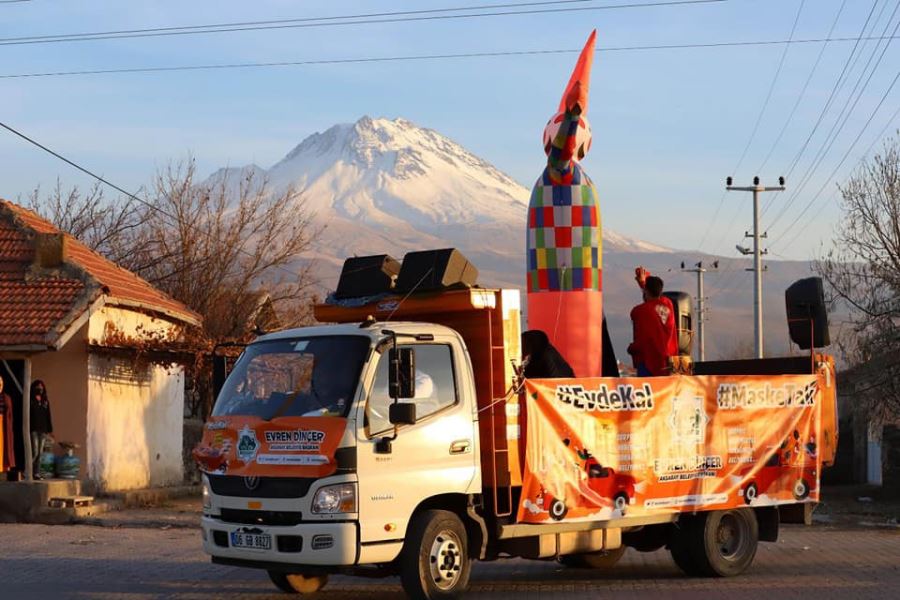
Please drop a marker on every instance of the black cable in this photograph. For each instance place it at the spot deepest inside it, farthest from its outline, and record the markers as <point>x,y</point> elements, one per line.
<point>105,181</point>
<point>759,117</point>
<point>840,122</point>
<point>800,96</point>
<point>765,105</point>
<point>334,61</point>
<point>844,158</point>
<point>331,22</point>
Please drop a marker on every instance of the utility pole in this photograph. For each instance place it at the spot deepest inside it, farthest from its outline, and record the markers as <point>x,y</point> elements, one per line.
<point>699,269</point>
<point>757,252</point>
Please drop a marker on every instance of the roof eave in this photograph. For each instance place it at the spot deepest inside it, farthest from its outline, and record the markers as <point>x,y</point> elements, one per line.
<point>182,317</point>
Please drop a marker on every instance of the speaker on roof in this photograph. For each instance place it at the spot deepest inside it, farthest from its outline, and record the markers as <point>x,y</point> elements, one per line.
<point>807,314</point>
<point>367,276</point>
<point>684,320</point>
<point>431,270</point>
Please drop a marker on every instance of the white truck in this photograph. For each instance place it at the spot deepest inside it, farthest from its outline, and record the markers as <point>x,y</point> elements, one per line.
<point>381,448</point>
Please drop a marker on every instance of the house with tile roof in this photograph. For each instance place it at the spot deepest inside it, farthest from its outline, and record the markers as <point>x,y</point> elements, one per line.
<point>60,306</point>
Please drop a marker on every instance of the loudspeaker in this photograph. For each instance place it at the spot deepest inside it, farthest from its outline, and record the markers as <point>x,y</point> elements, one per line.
<point>684,320</point>
<point>431,270</point>
<point>367,276</point>
<point>806,313</point>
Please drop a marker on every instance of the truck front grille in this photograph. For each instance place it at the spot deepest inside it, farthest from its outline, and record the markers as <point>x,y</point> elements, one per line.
<point>260,487</point>
<point>274,518</point>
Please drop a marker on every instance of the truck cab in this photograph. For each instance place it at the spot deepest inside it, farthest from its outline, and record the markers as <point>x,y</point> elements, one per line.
<point>326,389</point>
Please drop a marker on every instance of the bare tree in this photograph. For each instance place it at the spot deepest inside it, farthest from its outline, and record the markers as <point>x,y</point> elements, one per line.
<point>216,247</point>
<point>227,250</point>
<point>109,228</point>
<point>863,272</point>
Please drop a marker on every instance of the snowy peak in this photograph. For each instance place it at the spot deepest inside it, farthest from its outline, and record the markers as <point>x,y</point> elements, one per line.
<point>389,179</point>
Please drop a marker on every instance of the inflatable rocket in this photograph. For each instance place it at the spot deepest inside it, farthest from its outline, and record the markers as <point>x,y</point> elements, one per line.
<point>564,243</point>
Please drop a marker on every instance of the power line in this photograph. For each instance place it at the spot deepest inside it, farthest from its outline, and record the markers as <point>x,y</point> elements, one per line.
<point>424,57</point>
<point>841,120</point>
<point>765,105</point>
<point>844,158</point>
<point>105,181</point>
<point>759,117</point>
<point>334,21</point>
<point>835,89</point>
<point>800,96</point>
<point>875,140</point>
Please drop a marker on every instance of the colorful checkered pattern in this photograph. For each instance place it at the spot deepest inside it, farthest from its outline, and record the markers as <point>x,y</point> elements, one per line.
<point>564,244</point>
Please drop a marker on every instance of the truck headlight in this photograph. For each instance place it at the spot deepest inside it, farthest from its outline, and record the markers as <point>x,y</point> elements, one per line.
<point>335,499</point>
<point>207,499</point>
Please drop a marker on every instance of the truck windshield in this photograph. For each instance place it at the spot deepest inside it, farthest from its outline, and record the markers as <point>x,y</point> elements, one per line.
<point>300,377</point>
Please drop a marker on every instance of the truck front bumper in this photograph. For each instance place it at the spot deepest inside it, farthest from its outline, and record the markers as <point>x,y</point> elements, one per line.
<point>319,544</point>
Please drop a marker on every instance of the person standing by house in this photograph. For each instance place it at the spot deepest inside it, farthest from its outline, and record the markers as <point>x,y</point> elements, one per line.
<point>7,449</point>
<point>41,423</point>
<point>654,328</point>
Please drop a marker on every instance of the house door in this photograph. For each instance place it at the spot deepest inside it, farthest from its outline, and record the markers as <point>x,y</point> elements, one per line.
<point>13,372</point>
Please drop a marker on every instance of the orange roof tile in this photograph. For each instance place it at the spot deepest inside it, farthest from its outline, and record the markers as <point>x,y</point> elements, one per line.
<point>36,309</point>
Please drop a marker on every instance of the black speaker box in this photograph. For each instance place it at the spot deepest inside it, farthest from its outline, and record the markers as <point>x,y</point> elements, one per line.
<point>684,320</point>
<point>807,314</point>
<point>431,270</point>
<point>367,276</point>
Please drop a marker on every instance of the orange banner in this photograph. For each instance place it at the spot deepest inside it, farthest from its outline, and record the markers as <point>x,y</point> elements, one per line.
<point>608,448</point>
<point>282,447</point>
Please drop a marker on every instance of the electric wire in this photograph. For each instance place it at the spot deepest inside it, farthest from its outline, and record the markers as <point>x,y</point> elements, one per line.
<point>103,180</point>
<point>426,57</point>
<point>800,96</point>
<point>317,22</point>
<point>841,120</point>
<point>878,137</point>
<point>753,132</point>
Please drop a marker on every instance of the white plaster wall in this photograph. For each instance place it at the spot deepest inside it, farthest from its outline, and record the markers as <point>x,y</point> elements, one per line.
<point>125,320</point>
<point>134,417</point>
<point>165,426</point>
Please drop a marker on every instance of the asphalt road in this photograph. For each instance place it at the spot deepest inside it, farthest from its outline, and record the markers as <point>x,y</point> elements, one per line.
<point>91,562</point>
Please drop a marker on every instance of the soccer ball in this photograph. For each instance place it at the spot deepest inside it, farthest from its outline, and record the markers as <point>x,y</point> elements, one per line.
<point>582,135</point>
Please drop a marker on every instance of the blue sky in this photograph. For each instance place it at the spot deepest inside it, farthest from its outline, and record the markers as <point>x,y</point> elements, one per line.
<point>669,125</point>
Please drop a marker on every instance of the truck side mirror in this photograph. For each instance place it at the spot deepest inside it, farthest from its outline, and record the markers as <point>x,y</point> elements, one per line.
<point>402,413</point>
<point>402,373</point>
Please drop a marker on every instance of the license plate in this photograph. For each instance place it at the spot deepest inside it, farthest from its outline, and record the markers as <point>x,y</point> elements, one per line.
<point>251,541</point>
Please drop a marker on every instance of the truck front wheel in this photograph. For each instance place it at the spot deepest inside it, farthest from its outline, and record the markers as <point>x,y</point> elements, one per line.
<point>296,583</point>
<point>719,543</point>
<point>435,561</point>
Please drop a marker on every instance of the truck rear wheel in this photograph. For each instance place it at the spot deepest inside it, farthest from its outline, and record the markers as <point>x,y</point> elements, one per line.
<point>434,563</point>
<point>296,583</point>
<point>719,543</point>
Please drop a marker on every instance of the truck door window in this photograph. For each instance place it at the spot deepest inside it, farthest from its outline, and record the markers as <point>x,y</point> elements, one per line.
<point>435,386</point>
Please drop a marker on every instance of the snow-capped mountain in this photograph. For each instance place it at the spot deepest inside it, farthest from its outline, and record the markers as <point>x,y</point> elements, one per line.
<point>389,186</point>
<point>382,185</point>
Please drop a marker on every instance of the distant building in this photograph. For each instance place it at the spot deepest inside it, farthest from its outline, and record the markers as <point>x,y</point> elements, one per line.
<point>63,309</point>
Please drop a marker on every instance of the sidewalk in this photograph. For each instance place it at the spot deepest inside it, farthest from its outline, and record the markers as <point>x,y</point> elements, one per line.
<point>176,513</point>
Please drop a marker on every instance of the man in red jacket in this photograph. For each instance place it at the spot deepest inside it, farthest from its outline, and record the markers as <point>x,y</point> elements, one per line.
<point>654,329</point>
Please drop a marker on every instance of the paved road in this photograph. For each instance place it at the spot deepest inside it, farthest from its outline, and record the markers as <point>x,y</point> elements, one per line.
<point>88,562</point>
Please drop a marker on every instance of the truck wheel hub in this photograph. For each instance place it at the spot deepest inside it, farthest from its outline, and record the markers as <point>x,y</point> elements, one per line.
<point>445,559</point>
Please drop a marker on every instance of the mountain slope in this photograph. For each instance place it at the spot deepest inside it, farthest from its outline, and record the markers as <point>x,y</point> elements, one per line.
<point>381,185</point>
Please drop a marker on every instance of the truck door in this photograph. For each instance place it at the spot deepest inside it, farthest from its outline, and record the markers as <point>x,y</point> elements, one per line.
<point>437,455</point>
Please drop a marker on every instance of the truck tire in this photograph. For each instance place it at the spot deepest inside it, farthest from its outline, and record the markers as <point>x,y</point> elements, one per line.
<point>296,583</point>
<point>602,560</point>
<point>434,563</point>
<point>719,543</point>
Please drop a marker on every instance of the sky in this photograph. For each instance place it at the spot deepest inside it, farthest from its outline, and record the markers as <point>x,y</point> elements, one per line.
<point>669,124</point>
